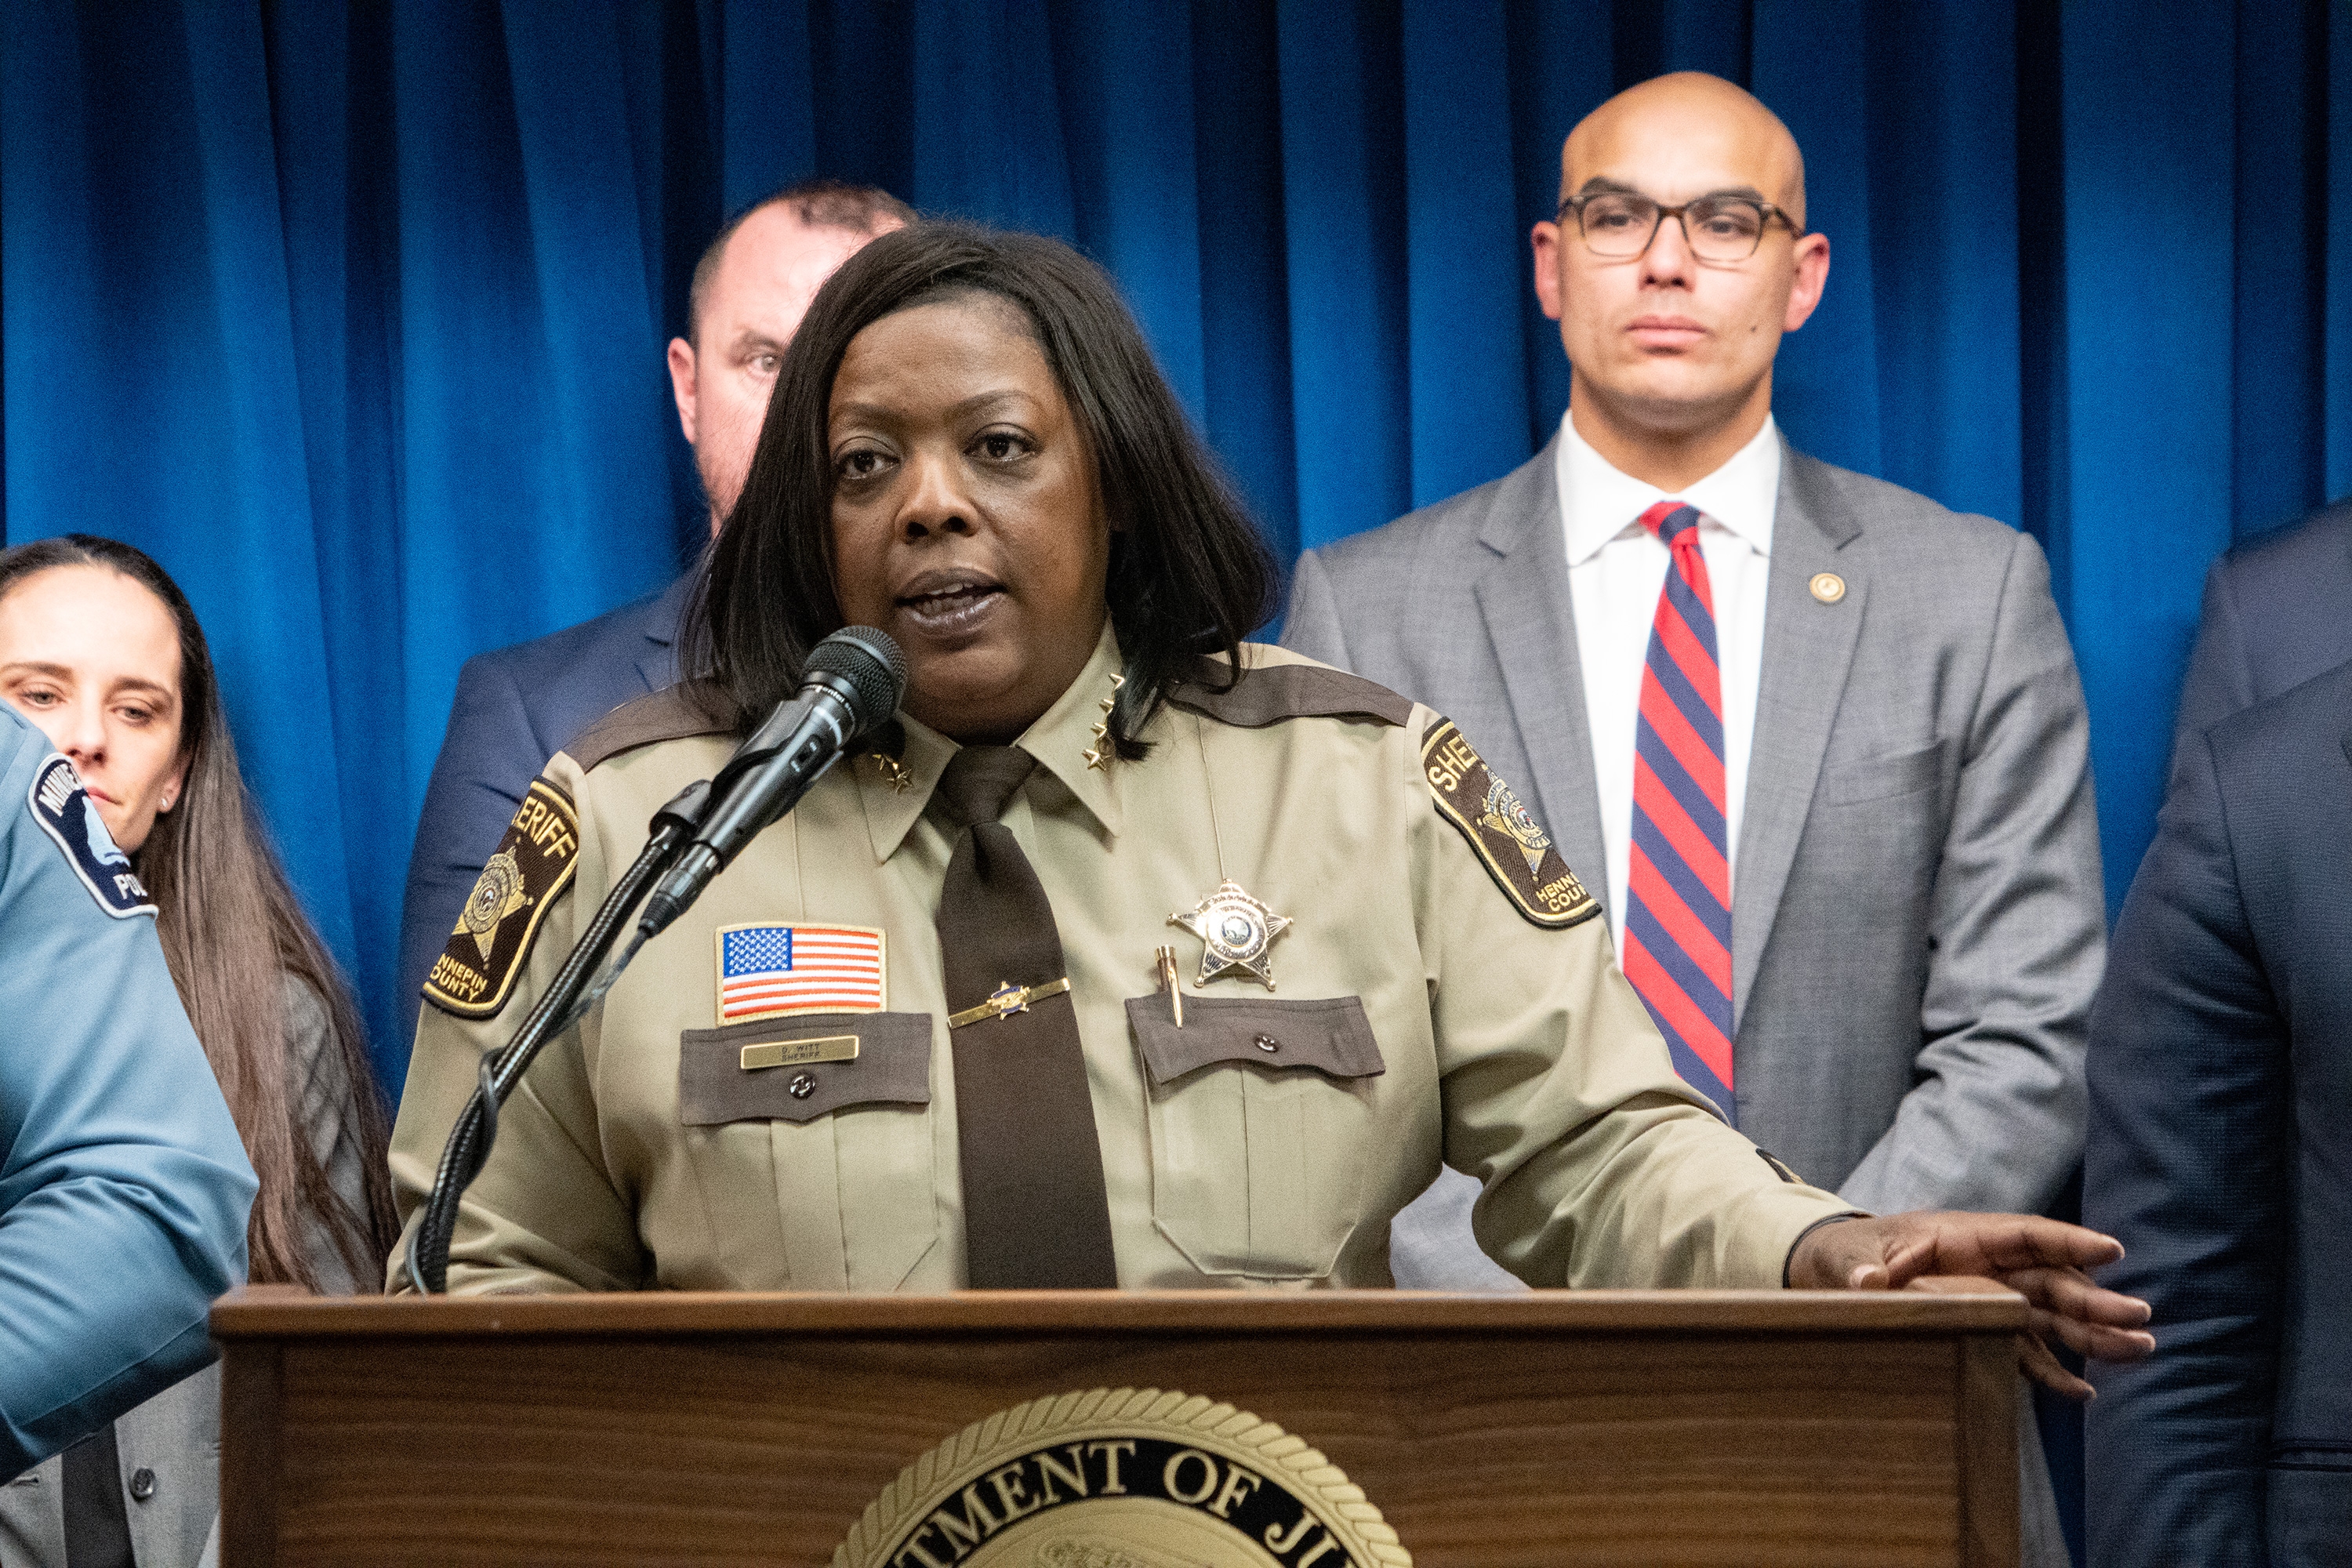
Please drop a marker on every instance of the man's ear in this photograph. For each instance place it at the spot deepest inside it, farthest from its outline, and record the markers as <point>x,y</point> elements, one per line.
<point>1812,275</point>
<point>1546,241</point>
<point>682,383</point>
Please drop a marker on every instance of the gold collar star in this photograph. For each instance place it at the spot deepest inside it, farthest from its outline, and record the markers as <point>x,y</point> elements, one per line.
<point>1235,931</point>
<point>886,748</point>
<point>1099,754</point>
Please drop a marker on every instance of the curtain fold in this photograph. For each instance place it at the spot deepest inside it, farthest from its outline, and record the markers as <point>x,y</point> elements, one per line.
<point>1467,254</point>
<point>2151,251</point>
<point>354,316</point>
<point>1341,146</point>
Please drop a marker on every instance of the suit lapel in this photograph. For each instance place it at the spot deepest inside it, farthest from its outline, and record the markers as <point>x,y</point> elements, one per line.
<point>658,655</point>
<point>1808,650</point>
<point>1523,597</point>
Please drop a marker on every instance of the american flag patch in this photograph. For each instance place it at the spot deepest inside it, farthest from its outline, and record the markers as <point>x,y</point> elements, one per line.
<point>768,970</point>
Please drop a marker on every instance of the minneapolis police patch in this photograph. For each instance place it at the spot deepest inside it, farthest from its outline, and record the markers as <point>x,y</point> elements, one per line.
<point>517,888</point>
<point>1514,848</point>
<point>64,810</point>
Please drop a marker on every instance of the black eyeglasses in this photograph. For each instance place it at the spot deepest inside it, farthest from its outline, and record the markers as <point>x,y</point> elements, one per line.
<point>1619,225</point>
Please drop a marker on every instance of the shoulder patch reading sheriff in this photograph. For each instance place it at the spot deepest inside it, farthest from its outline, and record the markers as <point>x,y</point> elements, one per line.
<point>1513,846</point>
<point>531,869</point>
<point>63,809</point>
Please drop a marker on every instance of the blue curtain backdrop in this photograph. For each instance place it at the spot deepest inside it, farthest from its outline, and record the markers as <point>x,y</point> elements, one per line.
<point>354,317</point>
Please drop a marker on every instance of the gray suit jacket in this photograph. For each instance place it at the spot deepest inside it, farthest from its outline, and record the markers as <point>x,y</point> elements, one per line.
<point>169,1448</point>
<point>1918,918</point>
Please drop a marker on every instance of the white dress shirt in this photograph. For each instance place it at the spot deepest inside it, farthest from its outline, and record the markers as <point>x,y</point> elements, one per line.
<point>1617,568</point>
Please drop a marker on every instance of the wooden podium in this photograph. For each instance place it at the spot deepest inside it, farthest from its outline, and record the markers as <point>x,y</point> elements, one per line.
<point>1548,1428</point>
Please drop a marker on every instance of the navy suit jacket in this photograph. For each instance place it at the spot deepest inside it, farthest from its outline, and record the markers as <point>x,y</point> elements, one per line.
<point>2220,1152</point>
<point>515,707</point>
<point>2278,611</point>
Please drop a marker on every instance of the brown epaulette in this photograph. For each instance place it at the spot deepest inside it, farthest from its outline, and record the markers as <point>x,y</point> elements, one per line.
<point>670,714</point>
<point>1269,693</point>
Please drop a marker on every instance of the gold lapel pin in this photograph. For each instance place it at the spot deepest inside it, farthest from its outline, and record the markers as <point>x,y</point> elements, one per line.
<point>1828,587</point>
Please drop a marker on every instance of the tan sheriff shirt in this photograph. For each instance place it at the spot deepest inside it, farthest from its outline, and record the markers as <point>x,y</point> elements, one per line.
<point>1440,995</point>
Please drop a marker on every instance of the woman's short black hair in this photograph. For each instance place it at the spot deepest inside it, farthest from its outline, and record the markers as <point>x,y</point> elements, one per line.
<point>1189,573</point>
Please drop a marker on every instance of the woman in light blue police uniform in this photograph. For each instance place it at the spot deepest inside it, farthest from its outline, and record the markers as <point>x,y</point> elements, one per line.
<point>123,1187</point>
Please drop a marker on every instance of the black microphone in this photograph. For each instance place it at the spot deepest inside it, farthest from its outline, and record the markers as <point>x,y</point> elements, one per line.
<point>854,682</point>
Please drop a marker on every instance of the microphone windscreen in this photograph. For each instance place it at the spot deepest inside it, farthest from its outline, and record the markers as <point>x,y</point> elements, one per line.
<point>872,665</point>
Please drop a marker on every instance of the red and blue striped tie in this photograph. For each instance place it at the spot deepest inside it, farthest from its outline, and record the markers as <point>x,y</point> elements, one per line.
<point>1678,902</point>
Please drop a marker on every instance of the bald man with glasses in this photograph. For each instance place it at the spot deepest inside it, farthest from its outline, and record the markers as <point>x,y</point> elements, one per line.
<point>1817,742</point>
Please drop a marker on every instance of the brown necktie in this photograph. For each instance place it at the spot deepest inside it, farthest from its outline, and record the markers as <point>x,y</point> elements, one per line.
<point>1035,1213</point>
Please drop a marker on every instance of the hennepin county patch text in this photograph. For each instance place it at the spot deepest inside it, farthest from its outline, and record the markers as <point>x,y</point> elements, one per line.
<point>1511,844</point>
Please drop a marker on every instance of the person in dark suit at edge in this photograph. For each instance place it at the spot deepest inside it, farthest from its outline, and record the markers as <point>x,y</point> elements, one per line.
<point>2220,1078</point>
<point>516,706</point>
<point>2278,611</point>
<point>1817,742</point>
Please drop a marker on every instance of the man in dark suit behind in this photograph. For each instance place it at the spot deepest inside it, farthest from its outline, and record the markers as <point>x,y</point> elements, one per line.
<point>2220,1079</point>
<point>2278,611</point>
<point>2220,1152</point>
<point>516,706</point>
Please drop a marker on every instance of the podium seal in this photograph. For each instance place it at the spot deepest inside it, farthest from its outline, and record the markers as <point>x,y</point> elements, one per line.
<point>1122,1478</point>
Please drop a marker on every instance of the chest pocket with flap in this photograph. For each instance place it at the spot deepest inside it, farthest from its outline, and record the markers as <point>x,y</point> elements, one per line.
<point>811,1139</point>
<point>1261,1119</point>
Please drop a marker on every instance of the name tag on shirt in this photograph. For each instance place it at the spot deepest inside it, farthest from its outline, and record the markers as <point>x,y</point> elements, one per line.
<point>799,1052</point>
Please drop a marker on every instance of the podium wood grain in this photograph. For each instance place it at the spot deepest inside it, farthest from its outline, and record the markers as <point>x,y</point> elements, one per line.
<point>1551,1428</point>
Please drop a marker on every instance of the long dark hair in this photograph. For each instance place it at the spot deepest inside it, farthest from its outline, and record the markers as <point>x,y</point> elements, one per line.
<point>232,933</point>
<point>1187,573</point>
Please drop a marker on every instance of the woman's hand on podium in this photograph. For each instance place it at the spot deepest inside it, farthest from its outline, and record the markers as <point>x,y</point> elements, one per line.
<point>2042,1259</point>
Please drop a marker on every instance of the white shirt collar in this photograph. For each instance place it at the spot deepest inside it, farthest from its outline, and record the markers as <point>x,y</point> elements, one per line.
<point>1599,503</point>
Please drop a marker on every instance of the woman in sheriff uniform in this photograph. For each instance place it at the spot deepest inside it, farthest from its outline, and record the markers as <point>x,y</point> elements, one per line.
<point>1131,954</point>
